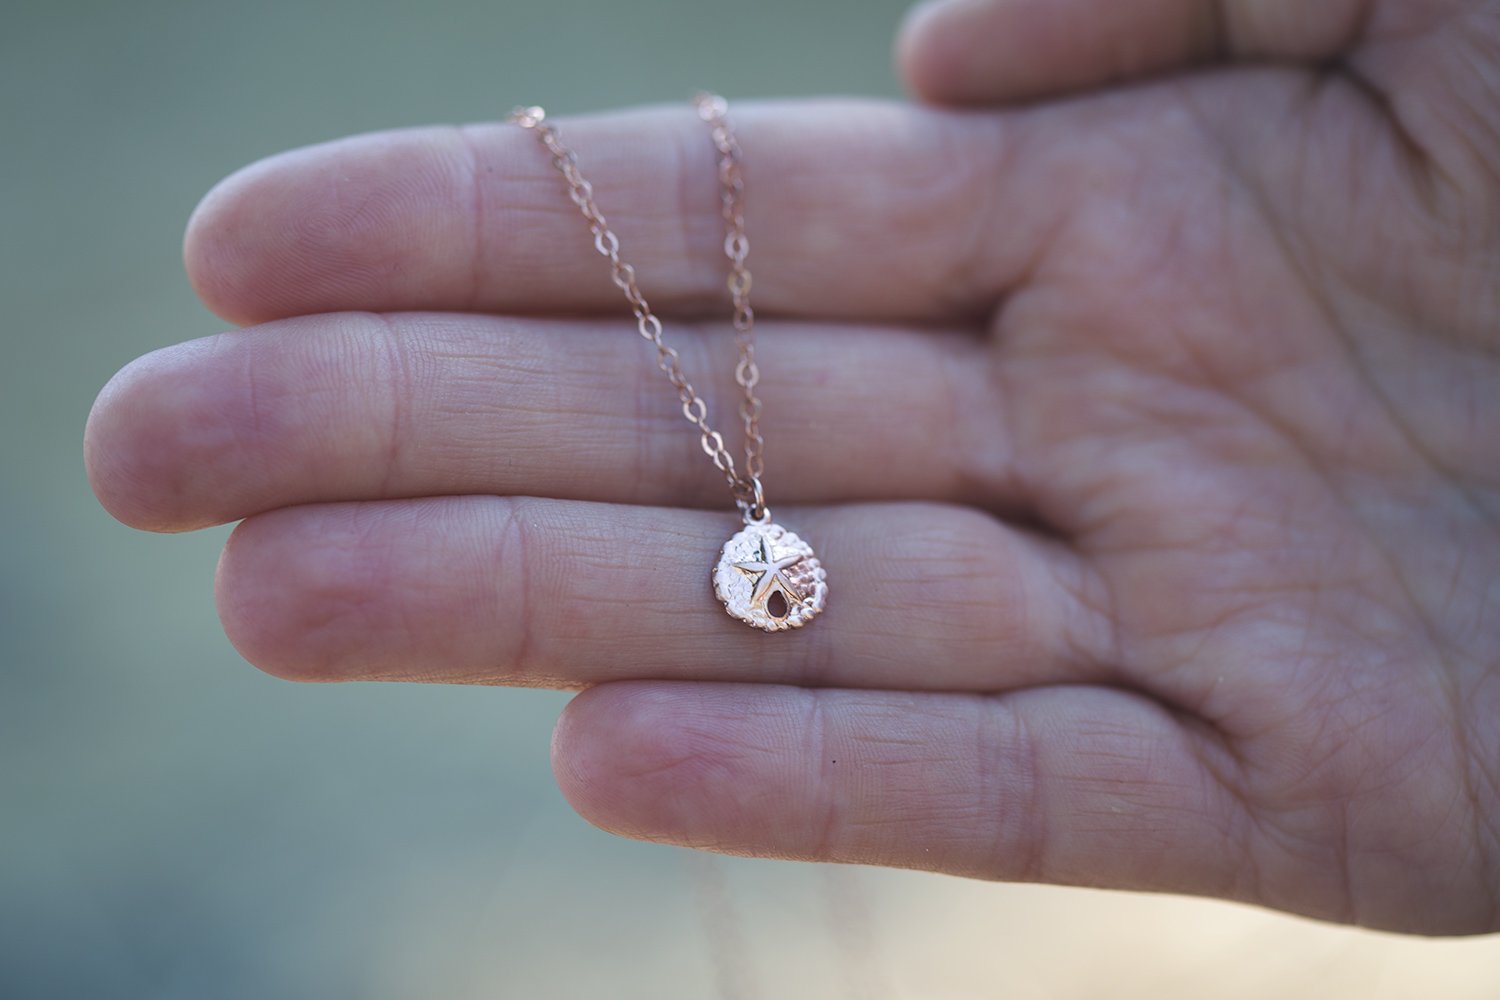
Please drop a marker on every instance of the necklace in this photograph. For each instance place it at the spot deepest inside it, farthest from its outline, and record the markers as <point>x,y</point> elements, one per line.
<point>766,576</point>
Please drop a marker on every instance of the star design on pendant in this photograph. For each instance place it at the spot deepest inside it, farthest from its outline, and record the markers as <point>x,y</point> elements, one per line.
<point>769,575</point>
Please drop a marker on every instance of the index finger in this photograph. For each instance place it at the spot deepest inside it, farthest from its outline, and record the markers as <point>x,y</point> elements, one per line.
<point>854,209</point>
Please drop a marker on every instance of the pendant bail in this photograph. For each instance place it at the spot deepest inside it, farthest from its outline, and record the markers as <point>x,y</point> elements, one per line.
<point>754,508</point>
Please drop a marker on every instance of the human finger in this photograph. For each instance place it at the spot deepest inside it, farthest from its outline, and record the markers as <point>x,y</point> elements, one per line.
<point>1069,784</point>
<point>554,593</point>
<point>991,51</point>
<point>354,406</point>
<point>855,209</point>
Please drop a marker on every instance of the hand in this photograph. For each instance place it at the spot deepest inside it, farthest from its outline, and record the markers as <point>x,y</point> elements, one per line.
<point>1148,436</point>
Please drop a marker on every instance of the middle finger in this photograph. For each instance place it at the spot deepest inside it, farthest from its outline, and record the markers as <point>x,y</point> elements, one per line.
<point>360,406</point>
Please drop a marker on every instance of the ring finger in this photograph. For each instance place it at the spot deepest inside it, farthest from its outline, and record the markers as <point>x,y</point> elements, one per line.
<point>565,593</point>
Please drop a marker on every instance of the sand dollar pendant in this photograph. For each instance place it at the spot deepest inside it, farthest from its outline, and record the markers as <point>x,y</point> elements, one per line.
<point>769,578</point>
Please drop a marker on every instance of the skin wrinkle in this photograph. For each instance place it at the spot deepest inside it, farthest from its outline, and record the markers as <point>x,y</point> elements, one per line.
<point>1463,746</point>
<point>1421,168</point>
<point>252,390</point>
<point>1455,579</point>
<point>370,539</point>
<point>1019,476</point>
<point>401,381</point>
<point>1259,833</point>
<point>1219,47</point>
<point>253,363</point>
<point>1239,33</point>
<point>666,760</point>
<point>980,462</point>
<point>1457,134</point>
<point>478,257</point>
<point>1360,22</point>
<point>1220,759</point>
<point>1084,586</point>
<point>241,438</point>
<point>649,385</point>
<point>1288,846</point>
<point>1028,270</point>
<point>1338,740</point>
<point>407,623</point>
<point>512,558</point>
<point>1475,126</point>
<point>1486,824</point>
<point>1203,636</point>
<point>1411,766</point>
<point>1115,659</point>
<point>1344,838</point>
<point>1011,850</point>
<point>973,270</point>
<point>828,843</point>
<point>1216,753</point>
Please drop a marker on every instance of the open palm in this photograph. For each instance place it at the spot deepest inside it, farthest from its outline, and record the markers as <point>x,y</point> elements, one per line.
<point>1147,435</point>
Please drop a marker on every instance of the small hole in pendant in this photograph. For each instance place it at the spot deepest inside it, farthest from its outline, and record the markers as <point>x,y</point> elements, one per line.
<point>776,605</point>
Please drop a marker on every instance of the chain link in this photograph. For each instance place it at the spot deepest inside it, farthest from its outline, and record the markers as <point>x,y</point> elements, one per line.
<point>745,486</point>
<point>712,109</point>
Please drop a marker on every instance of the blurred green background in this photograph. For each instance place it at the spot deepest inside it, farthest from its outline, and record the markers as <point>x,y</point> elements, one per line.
<point>174,824</point>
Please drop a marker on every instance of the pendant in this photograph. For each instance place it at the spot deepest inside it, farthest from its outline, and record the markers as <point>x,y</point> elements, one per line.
<point>770,578</point>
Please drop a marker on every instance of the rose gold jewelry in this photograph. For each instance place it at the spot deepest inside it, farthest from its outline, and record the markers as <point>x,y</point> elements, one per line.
<point>766,576</point>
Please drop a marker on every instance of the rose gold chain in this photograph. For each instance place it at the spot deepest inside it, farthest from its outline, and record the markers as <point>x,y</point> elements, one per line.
<point>746,486</point>
<point>712,109</point>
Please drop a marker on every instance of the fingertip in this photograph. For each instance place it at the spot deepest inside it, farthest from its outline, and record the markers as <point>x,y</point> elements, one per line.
<point>248,613</point>
<point>576,766</point>
<point>282,593</point>
<point>927,62</point>
<point>356,223</point>
<point>214,247</point>
<point>106,477</point>
<point>1005,51</point>
<point>133,440</point>
<point>649,760</point>
<point>602,736</point>
<point>259,232</point>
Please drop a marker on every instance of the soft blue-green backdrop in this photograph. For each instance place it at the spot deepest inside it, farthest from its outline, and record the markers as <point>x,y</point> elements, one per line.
<point>173,824</point>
